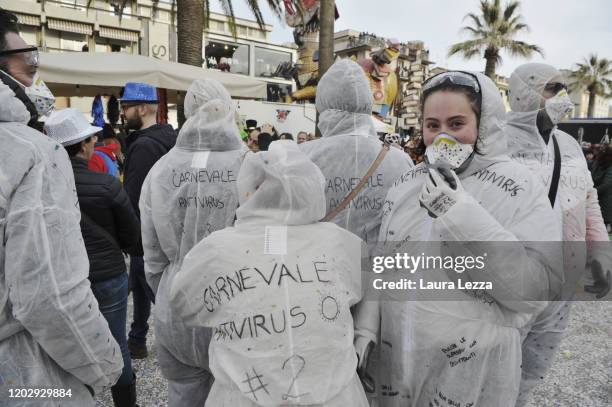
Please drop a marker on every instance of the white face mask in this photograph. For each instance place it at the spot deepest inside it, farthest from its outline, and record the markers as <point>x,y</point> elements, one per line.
<point>39,94</point>
<point>558,106</point>
<point>445,149</point>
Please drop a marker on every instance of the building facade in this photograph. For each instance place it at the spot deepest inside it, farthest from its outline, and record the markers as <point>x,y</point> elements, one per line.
<point>411,68</point>
<point>147,28</point>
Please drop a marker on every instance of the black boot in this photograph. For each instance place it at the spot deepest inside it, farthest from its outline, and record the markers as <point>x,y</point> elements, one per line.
<point>137,351</point>
<point>125,396</point>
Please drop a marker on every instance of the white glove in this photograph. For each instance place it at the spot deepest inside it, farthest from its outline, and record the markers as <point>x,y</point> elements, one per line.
<point>441,191</point>
<point>600,270</point>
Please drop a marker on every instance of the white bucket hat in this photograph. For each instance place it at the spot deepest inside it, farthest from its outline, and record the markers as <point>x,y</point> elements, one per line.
<point>69,126</point>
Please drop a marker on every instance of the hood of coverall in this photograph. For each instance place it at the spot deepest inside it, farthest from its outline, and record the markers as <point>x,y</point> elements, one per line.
<point>210,114</point>
<point>11,108</point>
<point>526,86</point>
<point>491,143</point>
<point>280,186</point>
<point>344,101</point>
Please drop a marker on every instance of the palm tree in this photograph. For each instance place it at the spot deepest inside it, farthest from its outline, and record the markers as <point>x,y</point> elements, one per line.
<point>594,76</point>
<point>495,31</point>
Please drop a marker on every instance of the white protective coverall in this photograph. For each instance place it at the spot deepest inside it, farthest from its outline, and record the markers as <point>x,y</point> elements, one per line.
<point>349,146</point>
<point>276,289</point>
<point>468,351</point>
<point>576,201</point>
<point>188,194</point>
<point>52,334</point>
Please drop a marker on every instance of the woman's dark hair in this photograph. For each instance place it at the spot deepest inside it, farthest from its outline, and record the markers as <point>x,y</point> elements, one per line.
<point>74,149</point>
<point>473,97</point>
<point>286,136</point>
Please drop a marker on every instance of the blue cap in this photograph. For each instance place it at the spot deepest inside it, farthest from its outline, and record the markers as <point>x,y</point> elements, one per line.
<point>135,92</point>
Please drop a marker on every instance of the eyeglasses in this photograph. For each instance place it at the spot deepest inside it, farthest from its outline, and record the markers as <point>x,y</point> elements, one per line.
<point>453,77</point>
<point>32,55</point>
<point>555,87</point>
<point>125,108</point>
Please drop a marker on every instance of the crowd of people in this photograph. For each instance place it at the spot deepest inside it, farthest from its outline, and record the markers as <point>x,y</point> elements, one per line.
<point>258,138</point>
<point>251,250</point>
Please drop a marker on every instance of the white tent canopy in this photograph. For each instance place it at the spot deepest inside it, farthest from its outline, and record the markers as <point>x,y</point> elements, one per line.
<point>89,74</point>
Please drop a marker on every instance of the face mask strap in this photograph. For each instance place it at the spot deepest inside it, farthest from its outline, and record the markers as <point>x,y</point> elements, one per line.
<point>19,91</point>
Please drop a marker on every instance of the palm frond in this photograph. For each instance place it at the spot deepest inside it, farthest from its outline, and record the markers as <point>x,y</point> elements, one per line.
<point>474,31</point>
<point>469,47</point>
<point>254,7</point>
<point>228,9</point>
<point>475,19</point>
<point>510,9</point>
<point>206,14</point>
<point>122,8</point>
<point>594,75</point>
<point>276,7</point>
<point>522,49</point>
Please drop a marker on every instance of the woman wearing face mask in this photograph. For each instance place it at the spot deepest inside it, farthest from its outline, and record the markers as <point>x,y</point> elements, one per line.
<point>467,350</point>
<point>539,100</point>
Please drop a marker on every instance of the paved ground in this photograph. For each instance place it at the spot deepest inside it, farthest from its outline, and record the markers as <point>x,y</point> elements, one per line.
<point>580,376</point>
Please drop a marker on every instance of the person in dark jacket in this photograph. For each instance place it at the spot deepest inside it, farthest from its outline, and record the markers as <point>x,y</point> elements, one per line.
<point>109,227</point>
<point>146,144</point>
<point>602,178</point>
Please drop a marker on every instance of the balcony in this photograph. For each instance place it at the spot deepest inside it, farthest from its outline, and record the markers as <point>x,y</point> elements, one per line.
<point>366,40</point>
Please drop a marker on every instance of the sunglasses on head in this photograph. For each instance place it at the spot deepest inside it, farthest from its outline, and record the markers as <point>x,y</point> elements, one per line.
<point>32,57</point>
<point>453,77</point>
<point>555,87</point>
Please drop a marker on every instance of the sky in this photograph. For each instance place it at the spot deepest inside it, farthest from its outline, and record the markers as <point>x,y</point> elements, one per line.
<point>567,30</point>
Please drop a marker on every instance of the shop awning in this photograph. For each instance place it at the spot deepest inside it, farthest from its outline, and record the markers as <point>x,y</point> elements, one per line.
<point>28,19</point>
<point>118,34</point>
<point>69,26</point>
<point>89,74</point>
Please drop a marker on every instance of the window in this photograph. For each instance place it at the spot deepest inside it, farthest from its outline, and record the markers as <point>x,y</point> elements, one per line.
<point>267,61</point>
<point>217,26</point>
<point>227,57</point>
<point>108,45</point>
<point>75,4</point>
<point>162,15</point>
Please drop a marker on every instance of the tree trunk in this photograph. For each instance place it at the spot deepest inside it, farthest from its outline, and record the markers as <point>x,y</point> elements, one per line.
<point>327,17</point>
<point>190,29</point>
<point>326,35</point>
<point>491,57</point>
<point>592,97</point>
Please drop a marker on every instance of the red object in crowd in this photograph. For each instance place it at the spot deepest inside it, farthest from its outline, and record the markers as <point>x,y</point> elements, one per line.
<point>162,107</point>
<point>97,164</point>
